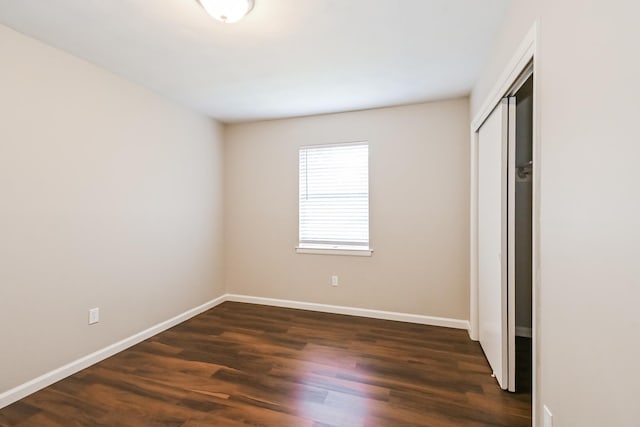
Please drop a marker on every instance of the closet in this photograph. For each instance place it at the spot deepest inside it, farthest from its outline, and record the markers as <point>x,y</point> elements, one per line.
<point>504,206</point>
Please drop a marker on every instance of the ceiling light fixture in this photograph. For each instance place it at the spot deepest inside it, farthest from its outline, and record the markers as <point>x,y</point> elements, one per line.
<point>227,11</point>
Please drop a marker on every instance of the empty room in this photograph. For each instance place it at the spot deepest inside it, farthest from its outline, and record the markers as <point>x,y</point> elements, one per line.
<point>322,213</point>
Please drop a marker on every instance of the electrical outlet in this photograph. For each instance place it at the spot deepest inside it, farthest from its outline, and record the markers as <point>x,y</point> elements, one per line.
<point>334,280</point>
<point>94,315</point>
<point>548,417</point>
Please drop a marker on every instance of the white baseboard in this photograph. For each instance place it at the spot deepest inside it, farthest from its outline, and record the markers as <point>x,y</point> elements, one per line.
<point>522,331</point>
<point>353,311</point>
<point>23,390</point>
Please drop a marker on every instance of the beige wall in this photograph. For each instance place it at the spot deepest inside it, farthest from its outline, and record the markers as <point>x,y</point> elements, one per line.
<point>589,287</point>
<point>110,197</point>
<point>419,184</point>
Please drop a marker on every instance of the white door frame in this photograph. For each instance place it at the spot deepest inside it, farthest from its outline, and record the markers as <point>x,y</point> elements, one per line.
<point>526,52</point>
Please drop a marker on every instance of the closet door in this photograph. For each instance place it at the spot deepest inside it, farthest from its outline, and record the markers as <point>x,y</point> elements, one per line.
<point>511,245</point>
<point>493,137</point>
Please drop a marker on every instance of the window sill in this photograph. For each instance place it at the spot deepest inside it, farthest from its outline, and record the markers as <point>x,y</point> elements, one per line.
<point>334,251</point>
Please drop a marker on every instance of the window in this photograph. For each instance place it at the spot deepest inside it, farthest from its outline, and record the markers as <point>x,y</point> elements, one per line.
<point>334,199</point>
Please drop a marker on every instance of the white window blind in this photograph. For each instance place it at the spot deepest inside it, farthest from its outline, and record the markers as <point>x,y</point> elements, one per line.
<point>334,196</point>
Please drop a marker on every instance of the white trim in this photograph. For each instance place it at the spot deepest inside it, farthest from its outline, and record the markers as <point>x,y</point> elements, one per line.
<point>23,390</point>
<point>522,331</point>
<point>535,243</point>
<point>522,79</point>
<point>328,251</point>
<point>518,63</point>
<point>527,51</point>
<point>334,144</point>
<point>353,311</point>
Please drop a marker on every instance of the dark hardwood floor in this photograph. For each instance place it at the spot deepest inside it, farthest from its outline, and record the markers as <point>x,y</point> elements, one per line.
<point>241,364</point>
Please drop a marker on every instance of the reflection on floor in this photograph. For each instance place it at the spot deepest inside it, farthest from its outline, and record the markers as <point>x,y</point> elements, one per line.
<point>241,364</point>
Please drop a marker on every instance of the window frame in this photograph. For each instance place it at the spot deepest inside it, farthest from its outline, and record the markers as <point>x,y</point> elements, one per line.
<point>332,248</point>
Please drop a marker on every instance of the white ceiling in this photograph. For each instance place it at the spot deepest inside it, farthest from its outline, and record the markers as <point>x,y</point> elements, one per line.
<point>287,58</point>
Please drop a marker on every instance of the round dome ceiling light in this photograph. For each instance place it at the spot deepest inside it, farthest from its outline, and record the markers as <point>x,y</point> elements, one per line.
<point>227,11</point>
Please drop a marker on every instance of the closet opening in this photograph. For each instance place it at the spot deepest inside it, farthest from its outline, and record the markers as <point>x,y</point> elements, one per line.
<point>523,234</point>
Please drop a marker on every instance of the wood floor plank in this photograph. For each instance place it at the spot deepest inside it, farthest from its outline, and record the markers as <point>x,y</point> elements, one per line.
<point>248,365</point>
